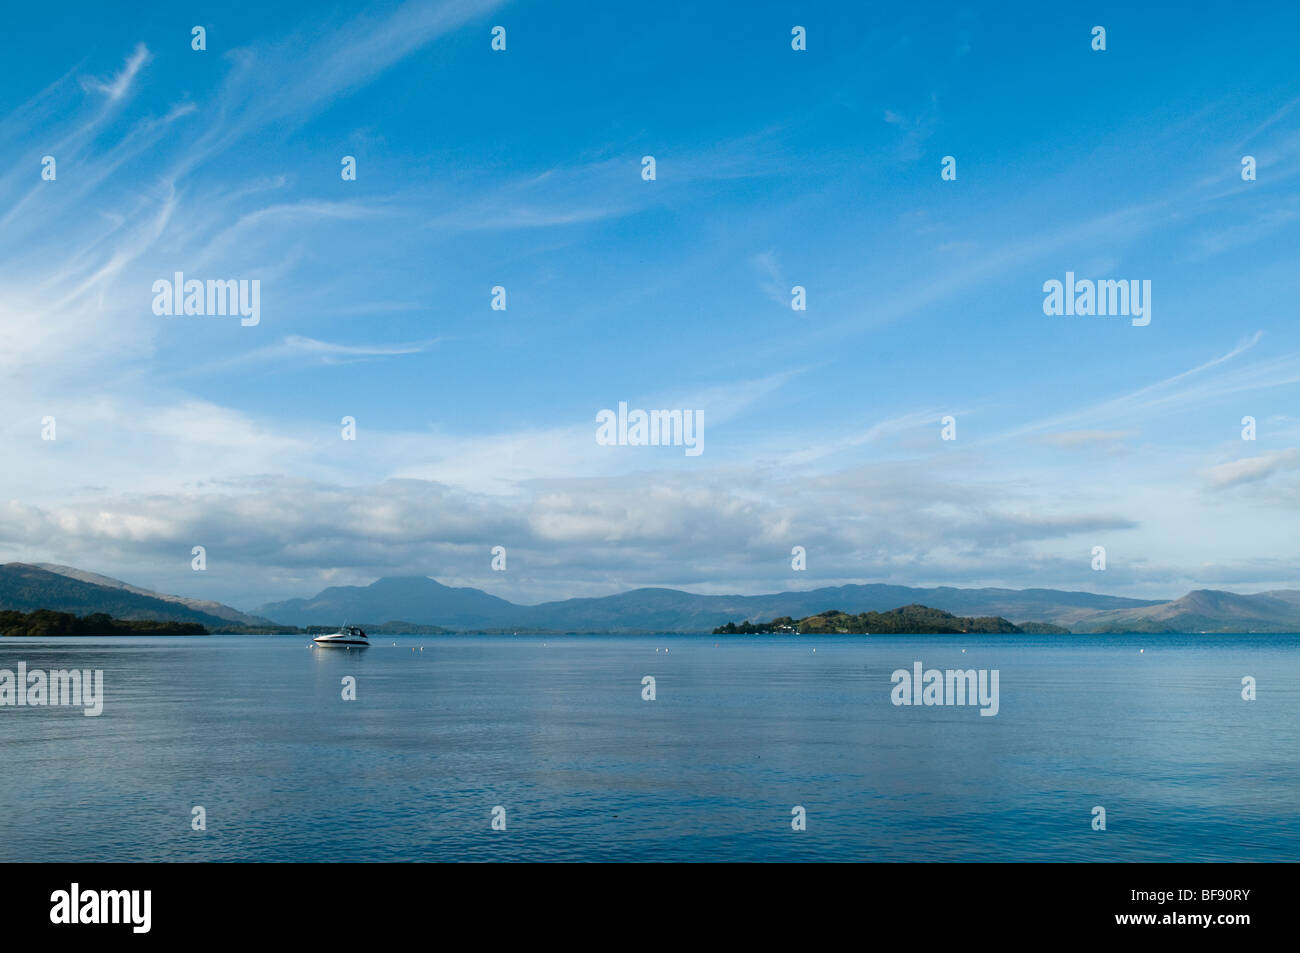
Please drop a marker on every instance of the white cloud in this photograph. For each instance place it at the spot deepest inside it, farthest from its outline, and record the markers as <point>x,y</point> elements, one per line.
<point>1251,469</point>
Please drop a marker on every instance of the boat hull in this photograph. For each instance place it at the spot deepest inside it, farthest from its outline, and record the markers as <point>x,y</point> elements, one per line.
<point>347,635</point>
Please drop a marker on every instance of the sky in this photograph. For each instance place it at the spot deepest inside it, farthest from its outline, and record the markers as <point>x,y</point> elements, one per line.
<point>522,169</point>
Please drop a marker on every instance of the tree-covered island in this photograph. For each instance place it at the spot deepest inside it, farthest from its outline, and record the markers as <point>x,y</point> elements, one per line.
<point>906,620</point>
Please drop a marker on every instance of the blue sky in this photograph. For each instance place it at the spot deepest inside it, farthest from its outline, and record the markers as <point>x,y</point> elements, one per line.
<point>521,168</point>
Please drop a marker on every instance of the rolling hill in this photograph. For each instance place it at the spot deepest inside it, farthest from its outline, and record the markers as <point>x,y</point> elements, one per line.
<point>1205,610</point>
<point>215,609</point>
<point>25,588</point>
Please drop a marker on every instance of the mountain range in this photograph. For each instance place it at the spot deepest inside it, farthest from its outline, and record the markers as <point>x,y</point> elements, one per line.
<point>424,601</point>
<point>421,599</point>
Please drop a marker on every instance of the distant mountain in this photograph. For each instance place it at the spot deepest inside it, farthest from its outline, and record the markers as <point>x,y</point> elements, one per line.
<point>25,588</point>
<point>413,598</point>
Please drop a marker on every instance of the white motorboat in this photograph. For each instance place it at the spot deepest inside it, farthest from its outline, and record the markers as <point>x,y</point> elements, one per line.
<point>348,635</point>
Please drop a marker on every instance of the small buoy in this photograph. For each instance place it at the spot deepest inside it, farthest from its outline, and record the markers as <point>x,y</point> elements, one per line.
<point>1140,651</point>
<point>963,651</point>
<point>814,651</point>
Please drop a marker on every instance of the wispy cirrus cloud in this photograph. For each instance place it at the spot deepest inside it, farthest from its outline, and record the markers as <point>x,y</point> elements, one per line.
<point>1206,382</point>
<point>120,84</point>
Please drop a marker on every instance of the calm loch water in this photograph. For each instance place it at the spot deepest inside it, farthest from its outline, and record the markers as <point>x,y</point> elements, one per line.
<point>444,729</point>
